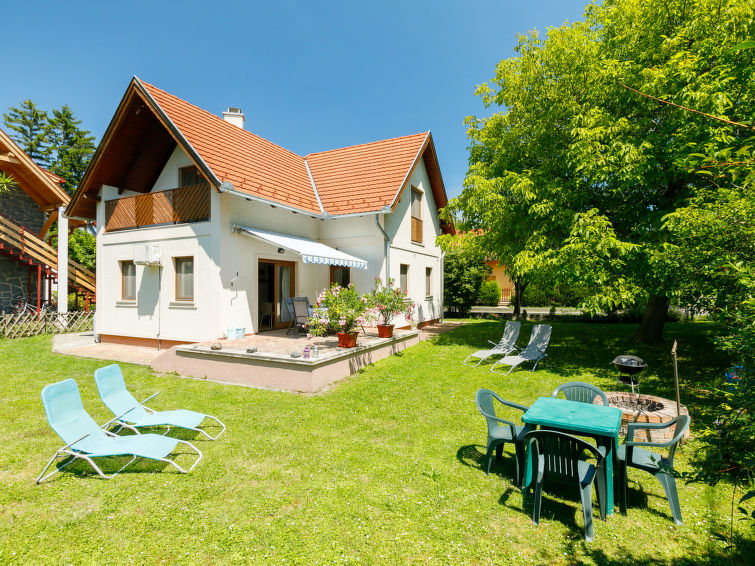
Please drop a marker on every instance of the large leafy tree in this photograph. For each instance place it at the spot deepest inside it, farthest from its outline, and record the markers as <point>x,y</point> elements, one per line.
<point>580,167</point>
<point>72,147</point>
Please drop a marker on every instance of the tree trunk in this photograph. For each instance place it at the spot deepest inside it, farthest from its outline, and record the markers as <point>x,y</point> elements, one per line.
<point>651,326</point>
<point>518,292</point>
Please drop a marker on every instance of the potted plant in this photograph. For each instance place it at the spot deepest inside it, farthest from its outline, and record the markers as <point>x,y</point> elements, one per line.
<point>341,309</point>
<point>388,301</point>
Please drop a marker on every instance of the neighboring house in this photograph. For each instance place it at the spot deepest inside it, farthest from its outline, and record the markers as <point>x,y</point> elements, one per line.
<point>28,266</point>
<point>203,226</point>
<point>498,274</point>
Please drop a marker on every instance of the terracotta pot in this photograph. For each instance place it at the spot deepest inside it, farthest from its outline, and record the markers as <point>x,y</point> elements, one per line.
<point>385,330</point>
<point>347,339</point>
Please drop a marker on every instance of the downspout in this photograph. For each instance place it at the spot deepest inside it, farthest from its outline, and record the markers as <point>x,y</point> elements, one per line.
<point>387,250</point>
<point>442,288</point>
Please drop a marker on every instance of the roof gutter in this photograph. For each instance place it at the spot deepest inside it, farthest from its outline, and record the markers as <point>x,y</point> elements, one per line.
<point>227,187</point>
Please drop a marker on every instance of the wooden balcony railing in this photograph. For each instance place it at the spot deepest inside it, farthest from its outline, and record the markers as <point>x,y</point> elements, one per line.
<point>29,247</point>
<point>416,230</point>
<point>176,206</point>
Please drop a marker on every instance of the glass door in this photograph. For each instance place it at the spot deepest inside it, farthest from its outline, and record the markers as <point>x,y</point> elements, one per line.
<point>275,283</point>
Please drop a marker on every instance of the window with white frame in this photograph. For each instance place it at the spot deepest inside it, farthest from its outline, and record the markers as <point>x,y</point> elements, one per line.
<point>184,278</point>
<point>128,281</point>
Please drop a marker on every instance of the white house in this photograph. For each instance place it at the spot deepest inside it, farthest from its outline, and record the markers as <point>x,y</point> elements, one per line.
<point>203,226</point>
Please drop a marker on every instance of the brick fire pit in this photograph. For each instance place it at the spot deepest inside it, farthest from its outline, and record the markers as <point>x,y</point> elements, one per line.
<point>645,409</point>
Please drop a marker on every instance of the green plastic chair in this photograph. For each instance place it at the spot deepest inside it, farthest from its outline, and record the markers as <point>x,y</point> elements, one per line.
<point>86,440</point>
<point>580,391</point>
<point>501,431</point>
<point>134,415</point>
<point>630,455</point>
<point>558,455</point>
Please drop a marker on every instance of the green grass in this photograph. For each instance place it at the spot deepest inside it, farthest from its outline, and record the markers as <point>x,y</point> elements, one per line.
<point>385,468</point>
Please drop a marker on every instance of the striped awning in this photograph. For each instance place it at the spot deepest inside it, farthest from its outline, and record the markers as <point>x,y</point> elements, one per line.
<point>310,251</point>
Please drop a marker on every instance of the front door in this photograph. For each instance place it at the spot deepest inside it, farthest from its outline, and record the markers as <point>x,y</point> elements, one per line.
<point>275,284</point>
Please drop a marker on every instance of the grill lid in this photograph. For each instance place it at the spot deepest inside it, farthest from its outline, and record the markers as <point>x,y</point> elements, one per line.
<point>628,361</point>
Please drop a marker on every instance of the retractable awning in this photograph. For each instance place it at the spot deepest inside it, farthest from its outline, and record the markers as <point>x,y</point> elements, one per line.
<point>310,251</point>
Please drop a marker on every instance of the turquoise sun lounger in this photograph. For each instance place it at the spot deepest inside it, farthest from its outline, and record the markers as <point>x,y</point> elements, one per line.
<point>134,415</point>
<point>86,440</point>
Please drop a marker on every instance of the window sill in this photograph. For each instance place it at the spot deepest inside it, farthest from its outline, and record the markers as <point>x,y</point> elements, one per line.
<point>182,305</point>
<point>125,304</point>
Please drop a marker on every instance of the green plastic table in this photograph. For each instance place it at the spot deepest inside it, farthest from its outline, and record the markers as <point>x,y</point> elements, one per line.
<point>584,419</point>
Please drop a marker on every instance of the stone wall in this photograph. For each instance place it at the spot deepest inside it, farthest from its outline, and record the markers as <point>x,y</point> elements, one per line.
<point>19,207</point>
<point>14,281</point>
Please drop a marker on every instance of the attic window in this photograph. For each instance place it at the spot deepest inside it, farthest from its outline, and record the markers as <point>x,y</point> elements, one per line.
<point>189,176</point>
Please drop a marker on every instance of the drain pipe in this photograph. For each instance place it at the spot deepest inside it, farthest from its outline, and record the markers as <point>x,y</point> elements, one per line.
<point>387,250</point>
<point>442,288</point>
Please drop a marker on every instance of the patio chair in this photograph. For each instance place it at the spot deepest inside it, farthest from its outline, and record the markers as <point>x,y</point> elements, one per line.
<point>301,315</point>
<point>580,391</point>
<point>86,440</point>
<point>505,346</point>
<point>134,415</point>
<point>558,456</point>
<point>501,431</point>
<point>630,455</point>
<point>534,352</point>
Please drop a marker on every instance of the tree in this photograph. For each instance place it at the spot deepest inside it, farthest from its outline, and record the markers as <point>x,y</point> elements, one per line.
<point>72,147</point>
<point>464,270</point>
<point>578,171</point>
<point>7,182</point>
<point>29,129</point>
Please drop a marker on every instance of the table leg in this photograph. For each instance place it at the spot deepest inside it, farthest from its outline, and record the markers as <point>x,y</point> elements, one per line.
<point>609,443</point>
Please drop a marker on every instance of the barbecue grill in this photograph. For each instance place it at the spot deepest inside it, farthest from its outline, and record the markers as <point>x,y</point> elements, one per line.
<point>628,367</point>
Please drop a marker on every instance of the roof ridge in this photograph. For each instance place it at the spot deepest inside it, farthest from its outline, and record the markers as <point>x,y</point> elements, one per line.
<point>216,117</point>
<point>367,143</point>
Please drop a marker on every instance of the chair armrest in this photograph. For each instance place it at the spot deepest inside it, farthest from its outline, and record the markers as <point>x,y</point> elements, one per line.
<point>494,343</point>
<point>522,408</point>
<point>631,427</point>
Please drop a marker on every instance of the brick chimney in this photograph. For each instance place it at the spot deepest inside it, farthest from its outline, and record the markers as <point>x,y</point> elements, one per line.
<point>235,116</point>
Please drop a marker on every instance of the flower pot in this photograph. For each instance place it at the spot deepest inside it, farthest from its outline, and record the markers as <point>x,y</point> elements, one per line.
<point>385,330</point>
<point>347,339</point>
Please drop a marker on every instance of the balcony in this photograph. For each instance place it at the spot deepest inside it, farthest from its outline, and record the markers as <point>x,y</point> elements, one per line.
<point>176,206</point>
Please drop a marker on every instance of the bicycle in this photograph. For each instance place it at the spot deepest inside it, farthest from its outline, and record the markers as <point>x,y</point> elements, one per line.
<point>24,307</point>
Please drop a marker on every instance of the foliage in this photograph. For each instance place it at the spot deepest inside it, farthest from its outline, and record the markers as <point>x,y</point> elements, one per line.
<point>389,301</point>
<point>54,142</point>
<point>82,248</point>
<point>464,270</point>
<point>578,171</point>
<point>7,182</point>
<point>72,147</point>
<point>490,294</point>
<point>385,467</point>
<point>340,308</point>
<point>30,127</point>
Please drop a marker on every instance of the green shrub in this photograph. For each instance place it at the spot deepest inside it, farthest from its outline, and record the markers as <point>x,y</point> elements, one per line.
<point>490,294</point>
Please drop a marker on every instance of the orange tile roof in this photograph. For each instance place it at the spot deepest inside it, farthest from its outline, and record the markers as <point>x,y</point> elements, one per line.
<point>364,178</point>
<point>250,163</point>
<point>351,180</point>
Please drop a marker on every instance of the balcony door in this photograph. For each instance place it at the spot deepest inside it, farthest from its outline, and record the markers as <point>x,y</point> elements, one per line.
<point>275,283</point>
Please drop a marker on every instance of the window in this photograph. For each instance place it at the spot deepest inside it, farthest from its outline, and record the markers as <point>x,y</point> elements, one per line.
<point>404,278</point>
<point>340,275</point>
<point>428,281</point>
<point>184,278</point>
<point>128,281</point>
<point>416,212</point>
<point>189,176</point>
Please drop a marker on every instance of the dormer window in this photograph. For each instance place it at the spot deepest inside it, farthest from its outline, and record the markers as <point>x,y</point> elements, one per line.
<point>188,176</point>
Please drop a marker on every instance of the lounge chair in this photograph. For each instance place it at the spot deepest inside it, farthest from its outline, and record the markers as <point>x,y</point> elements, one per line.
<point>506,345</point>
<point>86,440</point>
<point>534,352</point>
<point>134,415</point>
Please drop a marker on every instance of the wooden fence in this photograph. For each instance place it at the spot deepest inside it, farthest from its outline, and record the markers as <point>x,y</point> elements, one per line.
<point>32,324</point>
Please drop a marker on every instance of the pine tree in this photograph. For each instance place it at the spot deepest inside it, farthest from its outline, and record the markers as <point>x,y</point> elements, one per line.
<point>29,129</point>
<point>72,147</point>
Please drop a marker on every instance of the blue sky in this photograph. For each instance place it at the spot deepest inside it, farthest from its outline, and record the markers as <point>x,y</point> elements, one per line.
<point>309,76</point>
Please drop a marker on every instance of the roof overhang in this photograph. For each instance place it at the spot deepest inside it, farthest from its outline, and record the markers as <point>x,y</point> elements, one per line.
<point>309,250</point>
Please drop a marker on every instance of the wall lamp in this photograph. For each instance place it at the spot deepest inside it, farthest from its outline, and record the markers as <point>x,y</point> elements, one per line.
<point>281,250</point>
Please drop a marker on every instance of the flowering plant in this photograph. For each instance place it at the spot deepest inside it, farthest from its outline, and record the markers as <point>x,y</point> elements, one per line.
<point>389,301</point>
<point>338,308</point>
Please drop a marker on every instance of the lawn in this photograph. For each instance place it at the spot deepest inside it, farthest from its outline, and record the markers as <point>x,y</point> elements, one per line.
<point>384,468</point>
